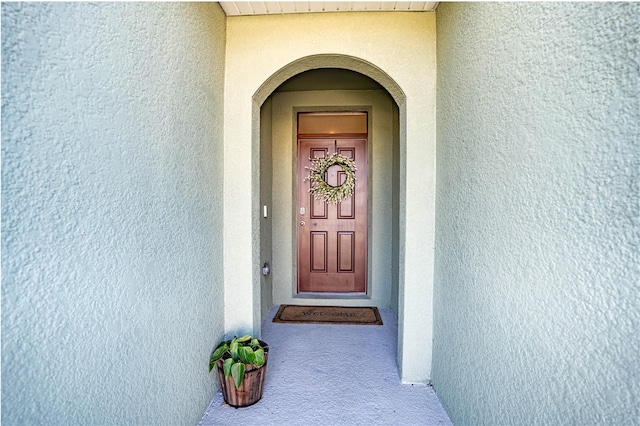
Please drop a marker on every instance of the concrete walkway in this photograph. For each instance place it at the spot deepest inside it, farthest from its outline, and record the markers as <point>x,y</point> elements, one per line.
<point>333,375</point>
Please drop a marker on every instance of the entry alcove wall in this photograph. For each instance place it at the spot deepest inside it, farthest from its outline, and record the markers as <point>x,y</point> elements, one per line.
<point>398,51</point>
<point>383,189</point>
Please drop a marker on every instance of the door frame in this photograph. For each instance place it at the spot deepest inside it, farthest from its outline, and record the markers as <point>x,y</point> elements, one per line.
<point>332,109</point>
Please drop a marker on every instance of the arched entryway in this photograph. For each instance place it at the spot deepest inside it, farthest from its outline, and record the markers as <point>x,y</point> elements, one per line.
<point>282,109</point>
<point>328,83</point>
<point>399,54</point>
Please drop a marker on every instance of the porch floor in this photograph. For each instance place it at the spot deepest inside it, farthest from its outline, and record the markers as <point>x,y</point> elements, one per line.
<point>322,374</point>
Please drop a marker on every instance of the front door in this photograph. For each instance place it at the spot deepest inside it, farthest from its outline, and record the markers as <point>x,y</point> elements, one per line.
<point>332,238</point>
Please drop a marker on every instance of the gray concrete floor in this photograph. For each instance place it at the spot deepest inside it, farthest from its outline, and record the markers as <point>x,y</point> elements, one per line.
<point>319,374</point>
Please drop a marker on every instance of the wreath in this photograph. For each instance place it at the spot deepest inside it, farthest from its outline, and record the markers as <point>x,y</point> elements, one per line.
<point>320,189</point>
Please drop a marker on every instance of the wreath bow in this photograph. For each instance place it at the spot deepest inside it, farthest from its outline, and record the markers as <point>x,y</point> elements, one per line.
<point>320,189</point>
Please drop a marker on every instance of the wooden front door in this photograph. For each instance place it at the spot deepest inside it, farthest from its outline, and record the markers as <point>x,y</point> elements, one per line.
<point>332,238</point>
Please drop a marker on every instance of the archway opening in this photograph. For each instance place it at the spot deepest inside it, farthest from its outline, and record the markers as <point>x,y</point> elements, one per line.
<point>327,83</point>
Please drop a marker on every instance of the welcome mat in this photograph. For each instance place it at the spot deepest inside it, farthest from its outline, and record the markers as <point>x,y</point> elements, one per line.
<point>328,315</point>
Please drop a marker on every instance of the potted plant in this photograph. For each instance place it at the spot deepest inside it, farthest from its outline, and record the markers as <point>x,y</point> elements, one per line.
<point>241,364</point>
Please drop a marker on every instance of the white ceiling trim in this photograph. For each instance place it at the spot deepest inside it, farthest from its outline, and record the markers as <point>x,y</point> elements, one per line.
<point>238,8</point>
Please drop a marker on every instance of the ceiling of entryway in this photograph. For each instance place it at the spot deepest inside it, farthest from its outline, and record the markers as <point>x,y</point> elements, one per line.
<point>236,8</point>
<point>329,79</point>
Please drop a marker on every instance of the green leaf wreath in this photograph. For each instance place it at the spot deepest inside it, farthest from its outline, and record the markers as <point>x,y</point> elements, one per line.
<point>320,189</point>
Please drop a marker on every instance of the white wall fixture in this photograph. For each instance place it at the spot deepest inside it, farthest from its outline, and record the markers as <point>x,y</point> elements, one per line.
<point>266,269</point>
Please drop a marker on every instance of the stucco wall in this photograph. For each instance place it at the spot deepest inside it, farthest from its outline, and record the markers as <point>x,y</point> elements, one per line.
<point>266,199</point>
<point>380,164</point>
<point>537,294</point>
<point>398,47</point>
<point>111,211</point>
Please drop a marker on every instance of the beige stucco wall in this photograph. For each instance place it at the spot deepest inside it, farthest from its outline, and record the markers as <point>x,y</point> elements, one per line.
<point>379,106</point>
<point>398,46</point>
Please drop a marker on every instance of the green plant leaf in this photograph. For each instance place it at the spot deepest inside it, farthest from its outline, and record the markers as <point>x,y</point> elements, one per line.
<point>237,371</point>
<point>226,367</point>
<point>255,344</point>
<point>258,357</point>
<point>217,354</point>
<point>233,348</point>
<point>245,354</point>
<point>244,338</point>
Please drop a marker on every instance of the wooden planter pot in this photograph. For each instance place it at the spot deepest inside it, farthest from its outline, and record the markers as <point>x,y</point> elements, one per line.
<point>251,388</point>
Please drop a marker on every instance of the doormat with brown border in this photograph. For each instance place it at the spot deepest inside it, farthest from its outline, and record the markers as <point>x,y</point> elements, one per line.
<point>295,314</point>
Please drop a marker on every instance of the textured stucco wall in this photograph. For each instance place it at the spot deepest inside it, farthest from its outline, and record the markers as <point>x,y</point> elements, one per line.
<point>537,284</point>
<point>380,153</point>
<point>400,49</point>
<point>266,199</point>
<point>111,211</point>
<point>395,221</point>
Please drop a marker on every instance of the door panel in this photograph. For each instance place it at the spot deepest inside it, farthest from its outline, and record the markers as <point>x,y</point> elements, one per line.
<point>332,238</point>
